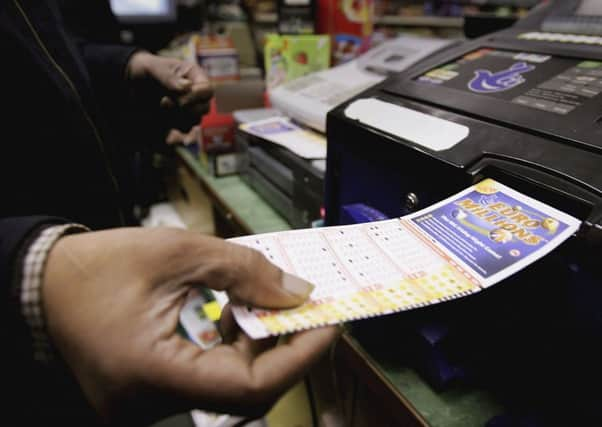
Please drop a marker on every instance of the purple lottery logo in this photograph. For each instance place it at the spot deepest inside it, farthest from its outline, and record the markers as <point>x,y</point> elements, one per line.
<point>487,82</point>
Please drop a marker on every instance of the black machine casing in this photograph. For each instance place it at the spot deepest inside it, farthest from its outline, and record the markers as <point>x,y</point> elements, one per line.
<point>536,345</point>
<point>293,186</point>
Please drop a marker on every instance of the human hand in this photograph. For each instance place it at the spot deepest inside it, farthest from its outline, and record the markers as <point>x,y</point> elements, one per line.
<point>185,83</point>
<point>176,136</point>
<point>112,301</point>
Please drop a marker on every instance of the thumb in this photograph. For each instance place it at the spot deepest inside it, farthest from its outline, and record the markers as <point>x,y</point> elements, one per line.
<point>176,84</point>
<point>253,280</point>
<point>178,81</point>
<point>285,292</point>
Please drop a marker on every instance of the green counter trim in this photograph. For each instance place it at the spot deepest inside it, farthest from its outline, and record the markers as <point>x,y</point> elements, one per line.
<point>251,211</point>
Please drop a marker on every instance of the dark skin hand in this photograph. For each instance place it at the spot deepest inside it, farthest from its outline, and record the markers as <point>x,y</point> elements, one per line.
<point>112,301</point>
<point>184,85</point>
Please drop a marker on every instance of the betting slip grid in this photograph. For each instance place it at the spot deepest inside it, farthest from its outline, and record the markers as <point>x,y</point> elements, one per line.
<point>359,271</point>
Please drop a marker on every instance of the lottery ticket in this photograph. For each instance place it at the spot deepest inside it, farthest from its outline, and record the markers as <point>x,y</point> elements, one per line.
<point>454,248</point>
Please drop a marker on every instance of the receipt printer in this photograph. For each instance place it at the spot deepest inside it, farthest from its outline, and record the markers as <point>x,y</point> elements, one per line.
<point>522,106</point>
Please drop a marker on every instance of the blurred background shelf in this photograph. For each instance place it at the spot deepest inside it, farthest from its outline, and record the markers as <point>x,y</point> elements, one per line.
<point>266,18</point>
<point>417,21</point>
<point>421,21</point>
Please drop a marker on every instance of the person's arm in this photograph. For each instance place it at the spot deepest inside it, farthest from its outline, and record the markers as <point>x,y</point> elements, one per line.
<point>16,234</point>
<point>129,75</point>
<point>24,244</point>
<point>94,29</point>
<point>125,75</point>
<point>110,303</point>
<point>107,64</point>
<point>41,388</point>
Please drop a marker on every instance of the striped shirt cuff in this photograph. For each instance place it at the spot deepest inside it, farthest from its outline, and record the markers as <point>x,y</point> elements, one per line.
<point>31,291</point>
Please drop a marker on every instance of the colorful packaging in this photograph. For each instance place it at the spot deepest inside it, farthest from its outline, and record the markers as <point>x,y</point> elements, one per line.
<point>217,56</point>
<point>290,56</point>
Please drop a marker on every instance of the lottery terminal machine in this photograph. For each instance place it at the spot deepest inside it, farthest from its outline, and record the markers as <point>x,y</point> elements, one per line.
<point>522,106</point>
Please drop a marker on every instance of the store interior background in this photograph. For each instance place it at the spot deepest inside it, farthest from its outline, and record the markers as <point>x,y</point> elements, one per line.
<point>245,24</point>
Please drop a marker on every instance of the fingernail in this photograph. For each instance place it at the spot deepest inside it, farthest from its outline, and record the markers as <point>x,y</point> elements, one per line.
<point>296,286</point>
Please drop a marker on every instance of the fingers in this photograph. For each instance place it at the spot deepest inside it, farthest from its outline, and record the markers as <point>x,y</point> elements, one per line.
<point>184,83</point>
<point>199,91</point>
<point>279,368</point>
<point>233,335</point>
<point>228,327</point>
<point>195,99</point>
<point>181,259</point>
<point>197,94</point>
<point>179,80</point>
<point>186,259</point>
<point>236,379</point>
<point>195,74</point>
<point>250,279</point>
<point>175,136</point>
<point>130,285</point>
<point>187,77</point>
<point>278,290</point>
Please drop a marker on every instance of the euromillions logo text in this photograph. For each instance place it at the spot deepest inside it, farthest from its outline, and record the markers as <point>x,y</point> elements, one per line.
<point>487,82</point>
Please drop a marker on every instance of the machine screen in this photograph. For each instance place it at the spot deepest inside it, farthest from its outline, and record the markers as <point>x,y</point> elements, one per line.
<point>547,83</point>
<point>144,10</point>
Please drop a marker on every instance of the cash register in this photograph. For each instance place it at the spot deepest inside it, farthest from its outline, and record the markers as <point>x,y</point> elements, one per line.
<point>522,106</point>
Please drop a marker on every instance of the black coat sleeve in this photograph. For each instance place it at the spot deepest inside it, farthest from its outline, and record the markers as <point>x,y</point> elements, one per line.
<point>95,30</point>
<point>15,233</point>
<point>107,68</point>
<point>36,394</point>
<point>106,63</point>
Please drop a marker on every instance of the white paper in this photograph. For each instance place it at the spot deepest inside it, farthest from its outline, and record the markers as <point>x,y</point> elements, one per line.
<point>280,130</point>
